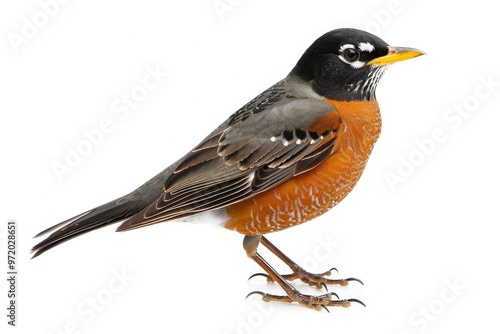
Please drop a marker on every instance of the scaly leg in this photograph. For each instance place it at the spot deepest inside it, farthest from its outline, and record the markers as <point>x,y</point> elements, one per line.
<point>250,244</point>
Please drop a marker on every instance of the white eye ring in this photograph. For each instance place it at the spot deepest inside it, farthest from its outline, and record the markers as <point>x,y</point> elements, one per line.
<point>354,64</point>
<point>346,46</point>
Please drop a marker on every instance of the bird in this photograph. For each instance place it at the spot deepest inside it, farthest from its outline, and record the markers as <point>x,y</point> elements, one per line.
<point>286,157</point>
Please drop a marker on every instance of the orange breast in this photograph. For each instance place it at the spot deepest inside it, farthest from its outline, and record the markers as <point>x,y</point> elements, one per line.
<point>311,194</point>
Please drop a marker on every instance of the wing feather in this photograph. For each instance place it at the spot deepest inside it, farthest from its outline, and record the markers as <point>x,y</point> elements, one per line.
<point>249,154</point>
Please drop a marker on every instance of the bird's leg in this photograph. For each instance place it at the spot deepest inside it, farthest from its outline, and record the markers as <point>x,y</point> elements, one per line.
<point>250,244</point>
<point>316,280</point>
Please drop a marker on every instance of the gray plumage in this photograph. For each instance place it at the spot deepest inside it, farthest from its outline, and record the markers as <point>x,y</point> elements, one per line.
<point>258,147</point>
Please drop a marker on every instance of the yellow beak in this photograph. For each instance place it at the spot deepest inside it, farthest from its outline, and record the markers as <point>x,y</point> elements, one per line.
<point>395,54</point>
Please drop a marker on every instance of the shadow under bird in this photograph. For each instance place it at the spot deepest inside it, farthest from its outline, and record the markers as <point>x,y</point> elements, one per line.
<point>287,156</point>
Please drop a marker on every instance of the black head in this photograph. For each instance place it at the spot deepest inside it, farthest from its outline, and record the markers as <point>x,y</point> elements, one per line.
<point>346,64</point>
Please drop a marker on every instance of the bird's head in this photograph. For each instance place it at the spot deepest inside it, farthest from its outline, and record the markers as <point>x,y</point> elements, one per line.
<point>346,64</point>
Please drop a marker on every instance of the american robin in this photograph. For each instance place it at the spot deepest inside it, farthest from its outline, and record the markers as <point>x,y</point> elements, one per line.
<point>286,157</point>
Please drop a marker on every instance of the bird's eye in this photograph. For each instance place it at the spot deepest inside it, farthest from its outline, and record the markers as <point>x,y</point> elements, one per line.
<point>350,54</point>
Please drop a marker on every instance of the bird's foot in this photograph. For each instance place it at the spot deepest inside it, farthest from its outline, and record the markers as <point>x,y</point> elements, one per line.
<point>315,302</point>
<point>316,280</point>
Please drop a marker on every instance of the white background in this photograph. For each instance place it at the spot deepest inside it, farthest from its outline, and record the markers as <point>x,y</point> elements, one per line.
<point>426,248</point>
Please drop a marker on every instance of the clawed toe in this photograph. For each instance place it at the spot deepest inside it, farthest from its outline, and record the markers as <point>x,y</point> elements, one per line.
<point>315,302</point>
<point>316,280</point>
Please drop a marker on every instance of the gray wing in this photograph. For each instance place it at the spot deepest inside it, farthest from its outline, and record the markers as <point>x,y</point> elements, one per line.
<point>260,146</point>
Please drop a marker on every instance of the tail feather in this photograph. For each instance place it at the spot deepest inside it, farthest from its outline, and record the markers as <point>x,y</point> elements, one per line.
<point>109,213</point>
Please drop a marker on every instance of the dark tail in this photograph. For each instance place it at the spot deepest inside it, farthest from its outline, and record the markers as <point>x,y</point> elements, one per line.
<point>109,213</point>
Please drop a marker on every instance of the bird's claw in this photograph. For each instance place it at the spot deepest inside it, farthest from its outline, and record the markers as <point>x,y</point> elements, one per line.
<point>328,272</point>
<point>353,279</point>
<point>268,278</point>
<point>315,302</point>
